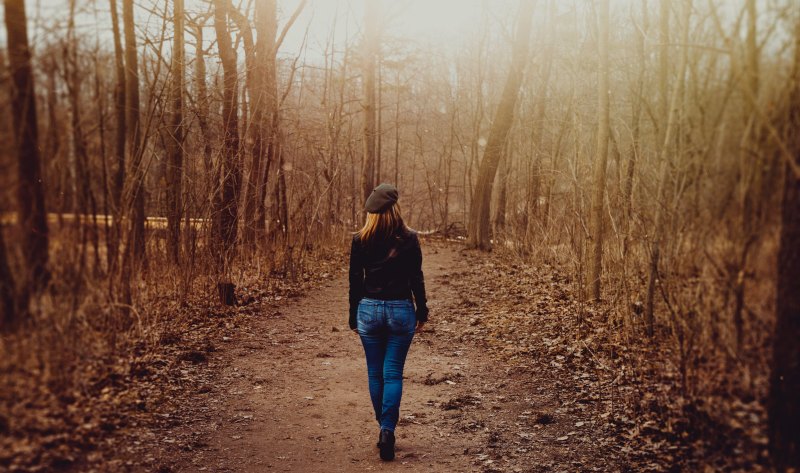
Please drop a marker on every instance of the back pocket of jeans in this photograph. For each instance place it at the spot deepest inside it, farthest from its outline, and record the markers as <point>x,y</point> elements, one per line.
<point>402,319</point>
<point>366,317</point>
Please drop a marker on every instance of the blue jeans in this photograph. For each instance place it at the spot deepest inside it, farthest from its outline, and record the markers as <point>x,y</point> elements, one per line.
<point>386,329</point>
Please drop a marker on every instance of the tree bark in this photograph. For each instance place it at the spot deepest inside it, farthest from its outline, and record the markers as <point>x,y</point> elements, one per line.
<point>371,38</point>
<point>667,148</point>
<point>119,138</point>
<point>30,191</point>
<point>479,219</point>
<point>175,145</point>
<point>783,407</point>
<point>226,205</point>
<point>263,94</point>
<point>201,101</point>
<point>272,120</point>
<point>535,177</point>
<point>752,172</point>
<point>134,191</point>
<point>599,187</point>
<point>663,65</point>
<point>86,202</point>
<point>502,196</point>
<point>7,290</point>
<point>784,411</point>
<point>627,192</point>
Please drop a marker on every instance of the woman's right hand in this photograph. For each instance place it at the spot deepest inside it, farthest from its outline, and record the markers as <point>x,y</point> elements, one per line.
<point>420,325</point>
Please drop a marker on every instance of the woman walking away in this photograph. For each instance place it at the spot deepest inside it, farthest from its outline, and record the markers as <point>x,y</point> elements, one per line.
<point>385,272</point>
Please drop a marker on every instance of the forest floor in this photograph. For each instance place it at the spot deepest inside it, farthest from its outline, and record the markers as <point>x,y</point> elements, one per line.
<point>512,374</point>
<point>287,391</point>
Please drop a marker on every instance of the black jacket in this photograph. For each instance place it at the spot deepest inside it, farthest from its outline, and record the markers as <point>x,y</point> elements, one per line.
<point>390,269</point>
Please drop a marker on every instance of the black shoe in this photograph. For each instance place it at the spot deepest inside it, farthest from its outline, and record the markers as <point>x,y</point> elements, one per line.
<point>386,444</point>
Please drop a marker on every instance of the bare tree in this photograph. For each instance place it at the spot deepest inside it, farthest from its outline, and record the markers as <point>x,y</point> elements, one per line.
<point>599,184</point>
<point>664,164</point>
<point>30,191</point>
<point>119,137</point>
<point>257,63</point>
<point>627,191</point>
<point>225,201</point>
<point>175,144</point>
<point>479,218</point>
<point>784,416</point>
<point>266,105</point>
<point>371,38</point>
<point>84,197</point>
<point>7,290</point>
<point>534,191</point>
<point>134,184</point>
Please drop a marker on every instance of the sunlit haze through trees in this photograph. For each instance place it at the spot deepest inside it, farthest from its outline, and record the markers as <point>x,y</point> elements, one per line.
<point>648,149</point>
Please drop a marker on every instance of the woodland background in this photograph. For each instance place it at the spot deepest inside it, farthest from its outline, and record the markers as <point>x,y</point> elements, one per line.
<point>647,149</point>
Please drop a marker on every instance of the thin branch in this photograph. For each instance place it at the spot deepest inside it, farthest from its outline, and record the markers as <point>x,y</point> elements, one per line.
<point>289,24</point>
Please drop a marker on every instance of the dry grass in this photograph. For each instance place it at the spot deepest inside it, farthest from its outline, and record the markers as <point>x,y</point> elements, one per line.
<point>81,359</point>
<point>714,383</point>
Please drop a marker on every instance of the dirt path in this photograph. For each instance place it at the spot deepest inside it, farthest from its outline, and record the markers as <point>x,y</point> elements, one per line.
<point>295,392</point>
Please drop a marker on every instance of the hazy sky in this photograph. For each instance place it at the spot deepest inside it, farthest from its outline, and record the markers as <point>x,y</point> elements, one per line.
<point>437,21</point>
<point>442,23</point>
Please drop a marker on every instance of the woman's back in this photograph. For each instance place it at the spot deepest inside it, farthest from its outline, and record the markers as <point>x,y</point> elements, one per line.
<point>391,266</point>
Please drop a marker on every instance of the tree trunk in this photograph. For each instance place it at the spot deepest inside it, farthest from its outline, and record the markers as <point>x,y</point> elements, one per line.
<point>134,186</point>
<point>784,411</point>
<point>201,101</point>
<point>250,93</point>
<point>119,139</point>
<point>535,177</point>
<point>226,215</point>
<point>85,199</point>
<point>627,192</point>
<point>263,92</point>
<point>175,145</point>
<point>371,38</point>
<point>502,196</point>
<point>479,218</point>
<point>379,119</point>
<point>596,223</point>
<point>397,133</point>
<point>783,407</point>
<point>7,289</point>
<point>267,28</point>
<point>664,158</point>
<point>663,65</point>
<point>752,171</point>
<point>119,111</point>
<point>30,191</point>
<point>101,109</point>
<point>281,210</point>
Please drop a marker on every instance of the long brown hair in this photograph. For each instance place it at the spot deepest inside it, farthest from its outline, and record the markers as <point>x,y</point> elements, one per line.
<point>381,226</point>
